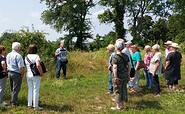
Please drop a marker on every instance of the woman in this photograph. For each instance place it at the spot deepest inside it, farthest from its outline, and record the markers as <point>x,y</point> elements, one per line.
<point>147,58</point>
<point>3,74</point>
<point>121,70</point>
<point>33,81</point>
<point>136,58</point>
<point>173,63</point>
<point>110,49</point>
<point>155,68</point>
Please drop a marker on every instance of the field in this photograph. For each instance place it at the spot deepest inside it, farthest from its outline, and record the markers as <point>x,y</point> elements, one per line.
<point>84,92</point>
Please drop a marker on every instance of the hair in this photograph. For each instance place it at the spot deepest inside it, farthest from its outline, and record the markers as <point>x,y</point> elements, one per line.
<point>32,49</point>
<point>135,47</point>
<point>156,47</point>
<point>110,47</point>
<point>119,44</point>
<point>148,47</point>
<point>16,46</point>
<point>2,48</point>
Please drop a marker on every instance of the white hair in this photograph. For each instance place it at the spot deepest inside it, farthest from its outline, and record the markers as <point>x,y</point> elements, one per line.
<point>147,47</point>
<point>16,45</point>
<point>119,44</point>
<point>156,47</point>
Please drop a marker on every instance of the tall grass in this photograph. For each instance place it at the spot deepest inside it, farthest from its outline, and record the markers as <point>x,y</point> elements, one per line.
<point>84,92</point>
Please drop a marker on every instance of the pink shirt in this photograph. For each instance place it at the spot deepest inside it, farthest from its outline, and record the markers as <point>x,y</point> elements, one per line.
<point>147,58</point>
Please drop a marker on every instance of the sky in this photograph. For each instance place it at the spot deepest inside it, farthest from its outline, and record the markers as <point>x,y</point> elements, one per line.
<point>16,14</point>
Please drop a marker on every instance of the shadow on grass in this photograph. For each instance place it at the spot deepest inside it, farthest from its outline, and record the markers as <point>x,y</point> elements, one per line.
<point>61,109</point>
<point>150,104</point>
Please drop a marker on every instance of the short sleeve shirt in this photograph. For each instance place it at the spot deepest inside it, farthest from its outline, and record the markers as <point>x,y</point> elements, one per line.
<point>33,58</point>
<point>156,57</point>
<point>136,57</point>
<point>2,58</point>
<point>175,62</point>
<point>14,62</point>
<point>63,55</point>
<point>122,65</point>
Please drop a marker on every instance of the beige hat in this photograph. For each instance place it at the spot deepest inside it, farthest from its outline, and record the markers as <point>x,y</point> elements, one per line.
<point>175,45</point>
<point>110,47</point>
<point>168,42</point>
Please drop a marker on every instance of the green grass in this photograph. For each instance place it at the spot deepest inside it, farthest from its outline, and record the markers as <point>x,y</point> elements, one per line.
<point>85,92</point>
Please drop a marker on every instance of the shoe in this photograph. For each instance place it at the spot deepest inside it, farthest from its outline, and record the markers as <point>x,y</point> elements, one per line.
<point>15,105</point>
<point>38,108</point>
<point>110,92</point>
<point>133,91</point>
<point>116,108</point>
<point>3,104</point>
<point>157,95</point>
<point>113,99</point>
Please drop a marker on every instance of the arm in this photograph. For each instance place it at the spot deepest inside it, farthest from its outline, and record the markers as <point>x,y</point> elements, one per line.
<point>115,71</point>
<point>39,67</point>
<point>137,65</point>
<point>21,70</point>
<point>167,64</point>
<point>129,69</point>
<point>3,64</point>
<point>156,67</point>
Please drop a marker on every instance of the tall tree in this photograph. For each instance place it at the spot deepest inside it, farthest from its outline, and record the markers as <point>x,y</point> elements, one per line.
<point>69,16</point>
<point>114,14</point>
<point>137,9</point>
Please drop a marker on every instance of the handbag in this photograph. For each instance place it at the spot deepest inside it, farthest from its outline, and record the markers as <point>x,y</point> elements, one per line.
<point>34,69</point>
<point>3,74</point>
<point>132,71</point>
<point>142,64</point>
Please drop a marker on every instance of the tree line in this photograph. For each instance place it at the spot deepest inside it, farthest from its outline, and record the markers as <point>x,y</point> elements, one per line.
<point>150,21</point>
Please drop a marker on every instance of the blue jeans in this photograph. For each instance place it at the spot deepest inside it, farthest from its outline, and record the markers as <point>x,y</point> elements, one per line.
<point>110,82</point>
<point>148,78</point>
<point>59,66</point>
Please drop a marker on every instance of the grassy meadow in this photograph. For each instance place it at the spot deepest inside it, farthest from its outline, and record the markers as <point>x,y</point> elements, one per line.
<point>84,92</point>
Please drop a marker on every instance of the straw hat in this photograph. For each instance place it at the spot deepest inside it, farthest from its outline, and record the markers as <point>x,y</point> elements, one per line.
<point>168,42</point>
<point>175,45</point>
<point>110,47</point>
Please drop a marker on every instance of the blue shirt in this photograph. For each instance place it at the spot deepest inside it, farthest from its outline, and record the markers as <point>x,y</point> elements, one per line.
<point>110,58</point>
<point>14,61</point>
<point>63,55</point>
<point>136,57</point>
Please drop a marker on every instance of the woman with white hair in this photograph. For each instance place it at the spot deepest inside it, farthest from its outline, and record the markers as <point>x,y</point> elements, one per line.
<point>155,68</point>
<point>110,49</point>
<point>121,70</point>
<point>147,58</point>
<point>173,63</point>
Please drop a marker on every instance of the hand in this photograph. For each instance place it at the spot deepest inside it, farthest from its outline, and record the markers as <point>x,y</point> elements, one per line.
<point>153,74</point>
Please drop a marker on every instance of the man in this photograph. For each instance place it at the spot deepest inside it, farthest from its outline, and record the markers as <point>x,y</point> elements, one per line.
<point>61,55</point>
<point>15,67</point>
<point>168,45</point>
<point>127,50</point>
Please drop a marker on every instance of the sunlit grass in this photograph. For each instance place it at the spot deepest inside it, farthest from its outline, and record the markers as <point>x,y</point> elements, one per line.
<point>84,92</point>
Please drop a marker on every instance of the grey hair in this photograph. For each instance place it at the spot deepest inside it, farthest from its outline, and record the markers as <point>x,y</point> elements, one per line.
<point>120,44</point>
<point>15,46</point>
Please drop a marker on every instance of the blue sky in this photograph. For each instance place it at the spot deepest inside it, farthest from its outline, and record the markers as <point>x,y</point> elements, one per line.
<point>15,14</point>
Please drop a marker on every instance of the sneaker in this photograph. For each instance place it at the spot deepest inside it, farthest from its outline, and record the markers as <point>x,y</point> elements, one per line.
<point>3,104</point>
<point>116,108</point>
<point>110,92</point>
<point>38,108</point>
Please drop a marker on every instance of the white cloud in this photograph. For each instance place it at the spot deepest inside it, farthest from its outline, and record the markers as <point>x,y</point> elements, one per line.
<point>4,20</point>
<point>35,14</point>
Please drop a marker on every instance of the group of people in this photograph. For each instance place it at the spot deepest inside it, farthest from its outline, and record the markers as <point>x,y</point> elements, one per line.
<point>125,57</point>
<point>12,67</point>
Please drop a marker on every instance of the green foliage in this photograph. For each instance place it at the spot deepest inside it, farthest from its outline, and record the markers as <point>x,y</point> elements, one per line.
<point>70,16</point>
<point>46,49</point>
<point>114,13</point>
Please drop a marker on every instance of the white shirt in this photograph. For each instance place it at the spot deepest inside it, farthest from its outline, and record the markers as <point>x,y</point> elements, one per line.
<point>156,57</point>
<point>33,58</point>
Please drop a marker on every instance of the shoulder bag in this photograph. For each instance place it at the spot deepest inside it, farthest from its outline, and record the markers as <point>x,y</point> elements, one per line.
<point>132,71</point>
<point>34,69</point>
